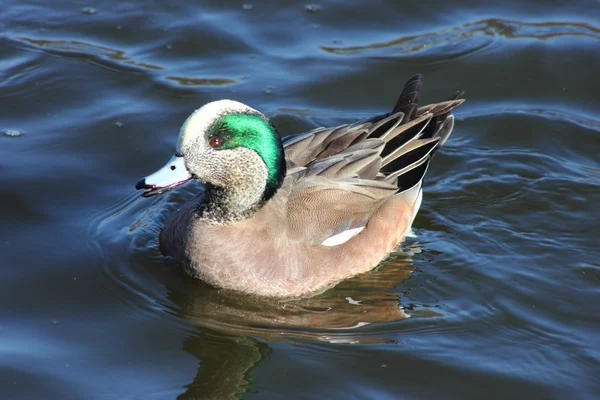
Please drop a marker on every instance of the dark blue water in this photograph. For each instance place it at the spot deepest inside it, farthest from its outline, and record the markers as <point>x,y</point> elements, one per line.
<point>496,296</point>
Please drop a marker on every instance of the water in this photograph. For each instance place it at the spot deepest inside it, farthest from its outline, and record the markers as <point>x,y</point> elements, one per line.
<point>501,282</point>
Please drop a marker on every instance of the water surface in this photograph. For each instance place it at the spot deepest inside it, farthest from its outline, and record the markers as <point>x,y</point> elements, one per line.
<point>495,296</point>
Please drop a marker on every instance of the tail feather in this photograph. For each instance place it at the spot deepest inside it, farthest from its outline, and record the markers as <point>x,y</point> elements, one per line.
<point>405,133</point>
<point>412,142</point>
<point>386,124</point>
<point>445,130</point>
<point>411,152</point>
<point>393,148</point>
<point>408,101</point>
<point>413,176</point>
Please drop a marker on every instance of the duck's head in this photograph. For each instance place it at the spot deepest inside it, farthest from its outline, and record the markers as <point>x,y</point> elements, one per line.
<point>228,145</point>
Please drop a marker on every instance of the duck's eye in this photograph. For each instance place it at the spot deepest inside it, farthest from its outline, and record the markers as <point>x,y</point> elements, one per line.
<point>215,141</point>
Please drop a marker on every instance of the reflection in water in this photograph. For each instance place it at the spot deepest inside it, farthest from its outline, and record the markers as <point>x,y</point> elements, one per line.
<point>331,316</point>
<point>234,329</point>
<point>226,365</point>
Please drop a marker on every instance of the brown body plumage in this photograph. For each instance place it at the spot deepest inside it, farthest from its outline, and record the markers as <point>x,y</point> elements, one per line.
<point>363,179</point>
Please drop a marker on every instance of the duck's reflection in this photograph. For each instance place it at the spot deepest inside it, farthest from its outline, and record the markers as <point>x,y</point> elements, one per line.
<point>226,365</point>
<point>234,329</point>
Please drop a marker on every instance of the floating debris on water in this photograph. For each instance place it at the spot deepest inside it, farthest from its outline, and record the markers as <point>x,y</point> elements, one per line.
<point>247,6</point>
<point>13,133</point>
<point>314,8</point>
<point>119,124</point>
<point>89,10</point>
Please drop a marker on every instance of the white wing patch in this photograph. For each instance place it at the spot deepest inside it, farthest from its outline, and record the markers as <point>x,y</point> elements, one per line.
<point>342,237</point>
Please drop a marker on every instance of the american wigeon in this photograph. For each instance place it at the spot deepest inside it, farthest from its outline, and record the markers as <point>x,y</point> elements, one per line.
<point>291,217</point>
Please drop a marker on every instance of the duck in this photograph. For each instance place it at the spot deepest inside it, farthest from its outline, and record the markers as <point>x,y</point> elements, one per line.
<point>292,217</point>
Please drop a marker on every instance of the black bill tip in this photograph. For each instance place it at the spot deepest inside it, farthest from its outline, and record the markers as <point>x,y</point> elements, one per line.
<point>153,190</point>
<point>141,184</point>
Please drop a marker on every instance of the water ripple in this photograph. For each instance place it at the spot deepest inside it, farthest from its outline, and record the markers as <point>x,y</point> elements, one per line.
<point>576,117</point>
<point>469,38</point>
<point>114,59</point>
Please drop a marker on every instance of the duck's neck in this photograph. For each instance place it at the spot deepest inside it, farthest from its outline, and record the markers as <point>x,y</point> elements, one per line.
<point>248,182</point>
<point>223,205</point>
<point>240,193</point>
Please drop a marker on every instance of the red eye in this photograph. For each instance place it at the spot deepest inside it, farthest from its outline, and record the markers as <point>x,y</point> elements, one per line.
<point>214,141</point>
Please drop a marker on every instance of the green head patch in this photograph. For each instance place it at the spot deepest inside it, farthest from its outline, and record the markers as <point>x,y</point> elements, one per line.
<point>256,133</point>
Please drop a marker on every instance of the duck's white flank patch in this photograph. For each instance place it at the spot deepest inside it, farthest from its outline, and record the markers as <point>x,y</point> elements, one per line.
<point>342,237</point>
<point>353,302</point>
<point>418,204</point>
<point>410,233</point>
